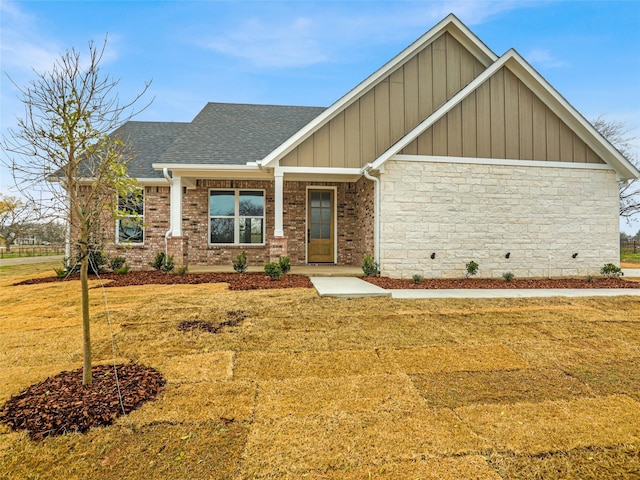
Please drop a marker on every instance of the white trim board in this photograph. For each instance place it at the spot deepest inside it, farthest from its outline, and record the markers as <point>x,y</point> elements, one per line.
<point>500,162</point>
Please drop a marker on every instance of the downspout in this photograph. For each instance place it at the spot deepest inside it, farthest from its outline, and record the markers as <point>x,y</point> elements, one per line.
<point>376,225</point>
<point>165,172</point>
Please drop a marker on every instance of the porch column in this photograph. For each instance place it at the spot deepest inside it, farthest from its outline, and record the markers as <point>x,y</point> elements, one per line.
<point>278,230</point>
<point>176,207</point>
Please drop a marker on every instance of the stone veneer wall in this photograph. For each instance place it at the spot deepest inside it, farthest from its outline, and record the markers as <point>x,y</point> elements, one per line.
<point>464,212</point>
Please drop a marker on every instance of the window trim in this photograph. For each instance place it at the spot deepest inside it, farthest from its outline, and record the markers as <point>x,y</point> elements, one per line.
<point>140,218</point>
<point>236,217</point>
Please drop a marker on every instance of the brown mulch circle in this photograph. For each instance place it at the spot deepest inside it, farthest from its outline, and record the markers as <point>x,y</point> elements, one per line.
<point>62,404</point>
<point>236,281</point>
<point>484,283</point>
<point>234,318</point>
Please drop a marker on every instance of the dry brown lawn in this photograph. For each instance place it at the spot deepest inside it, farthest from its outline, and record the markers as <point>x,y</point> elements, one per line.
<point>318,388</point>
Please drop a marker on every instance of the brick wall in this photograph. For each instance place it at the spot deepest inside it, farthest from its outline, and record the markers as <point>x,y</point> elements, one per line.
<point>463,212</point>
<point>354,203</point>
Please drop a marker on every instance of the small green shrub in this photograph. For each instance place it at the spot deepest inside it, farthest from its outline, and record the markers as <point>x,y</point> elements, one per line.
<point>472,269</point>
<point>163,262</point>
<point>122,269</point>
<point>240,263</point>
<point>285,264</point>
<point>590,279</point>
<point>61,272</point>
<point>417,278</point>
<point>158,261</point>
<point>117,263</point>
<point>611,271</point>
<point>370,267</point>
<point>508,276</point>
<point>274,270</point>
<point>168,265</point>
<point>181,271</point>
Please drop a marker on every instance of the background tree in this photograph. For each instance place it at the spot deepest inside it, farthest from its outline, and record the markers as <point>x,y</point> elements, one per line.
<point>62,147</point>
<point>16,219</point>
<point>619,135</point>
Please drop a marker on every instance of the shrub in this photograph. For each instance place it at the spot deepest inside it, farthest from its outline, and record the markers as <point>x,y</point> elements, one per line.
<point>508,276</point>
<point>168,265</point>
<point>61,272</point>
<point>274,270</point>
<point>181,271</point>
<point>122,269</point>
<point>240,263</point>
<point>97,262</point>
<point>611,271</point>
<point>285,264</point>
<point>117,263</point>
<point>417,278</point>
<point>370,266</point>
<point>163,263</point>
<point>472,268</point>
<point>158,261</point>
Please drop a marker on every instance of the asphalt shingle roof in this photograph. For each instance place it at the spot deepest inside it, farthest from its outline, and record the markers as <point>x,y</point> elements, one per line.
<point>234,134</point>
<point>148,141</point>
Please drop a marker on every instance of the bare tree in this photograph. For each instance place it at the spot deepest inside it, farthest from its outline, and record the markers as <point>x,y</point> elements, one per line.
<point>62,152</point>
<point>619,135</point>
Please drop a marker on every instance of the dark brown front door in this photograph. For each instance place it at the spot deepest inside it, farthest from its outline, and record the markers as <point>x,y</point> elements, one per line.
<point>320,233</point>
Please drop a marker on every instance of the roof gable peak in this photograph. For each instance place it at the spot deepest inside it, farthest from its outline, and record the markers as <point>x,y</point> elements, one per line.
<point>450,24</point>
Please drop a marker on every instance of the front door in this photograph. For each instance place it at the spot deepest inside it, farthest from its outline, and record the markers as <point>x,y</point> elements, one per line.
<point>320,223</point>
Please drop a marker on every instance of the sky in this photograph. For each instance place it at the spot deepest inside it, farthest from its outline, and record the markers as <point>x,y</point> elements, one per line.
<point>312,53</point>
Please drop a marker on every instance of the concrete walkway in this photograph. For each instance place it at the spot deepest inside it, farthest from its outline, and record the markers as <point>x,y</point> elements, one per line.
<point>30,260</point>
<point>351,287</point>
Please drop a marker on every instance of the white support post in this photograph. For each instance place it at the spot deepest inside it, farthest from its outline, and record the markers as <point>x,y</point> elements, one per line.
<point>176,207</point>
<point>278,199</point>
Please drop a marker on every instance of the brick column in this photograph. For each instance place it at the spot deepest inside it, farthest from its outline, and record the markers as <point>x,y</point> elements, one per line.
<point>278,246</point>
<point>178,247</point>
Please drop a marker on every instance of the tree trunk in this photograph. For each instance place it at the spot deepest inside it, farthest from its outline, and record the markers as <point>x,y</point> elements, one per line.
<point>86,333</point>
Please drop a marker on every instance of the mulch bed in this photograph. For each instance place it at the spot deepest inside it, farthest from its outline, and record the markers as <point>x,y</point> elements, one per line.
<point>62,404</point>
<point>484,283</point>
<point>236,281</point>
<point>259,281</point>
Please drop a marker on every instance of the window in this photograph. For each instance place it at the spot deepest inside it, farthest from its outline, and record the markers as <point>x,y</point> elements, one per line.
<point>130,225</point>
<point>236,217</point>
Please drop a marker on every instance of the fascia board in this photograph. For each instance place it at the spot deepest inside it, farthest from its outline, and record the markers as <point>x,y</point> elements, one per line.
<point>572,117</point>
<point>440,112</point>
<point>202,166</point>
<point>450,23</point>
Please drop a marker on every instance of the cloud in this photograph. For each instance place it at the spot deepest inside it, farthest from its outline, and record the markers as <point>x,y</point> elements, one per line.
<point>544,58</point>
<point>290,44</point>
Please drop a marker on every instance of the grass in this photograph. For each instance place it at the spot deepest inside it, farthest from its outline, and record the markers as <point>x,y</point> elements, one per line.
<point>630,258</point>
<point>319,388</point>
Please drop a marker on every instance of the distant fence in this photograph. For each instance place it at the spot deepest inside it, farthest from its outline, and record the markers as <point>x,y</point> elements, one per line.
<point>630,246</point>
<point>31,251</point>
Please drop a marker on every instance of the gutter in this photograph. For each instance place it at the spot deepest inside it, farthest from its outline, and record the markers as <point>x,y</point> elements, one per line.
<point>165,172</point>
<point>376,226</point>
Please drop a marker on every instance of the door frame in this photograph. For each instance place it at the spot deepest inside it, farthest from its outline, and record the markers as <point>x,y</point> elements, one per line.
<point>335,219</point>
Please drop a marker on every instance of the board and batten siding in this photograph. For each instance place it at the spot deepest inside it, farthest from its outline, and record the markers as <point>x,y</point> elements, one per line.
<point>461,211</point>
<point>503,119</point>
<point>390,109</point>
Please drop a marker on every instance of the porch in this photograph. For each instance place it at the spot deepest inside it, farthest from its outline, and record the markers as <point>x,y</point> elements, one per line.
<point>307,270</point>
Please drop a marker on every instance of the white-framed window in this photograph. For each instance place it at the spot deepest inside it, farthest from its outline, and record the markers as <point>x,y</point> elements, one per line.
<point>236,217</point>
<point>130,225</point>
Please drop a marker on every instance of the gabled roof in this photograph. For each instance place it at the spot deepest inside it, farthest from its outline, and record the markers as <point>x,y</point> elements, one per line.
<point>550,97</point>
<point>451,24</point>
<point>234,134</point>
